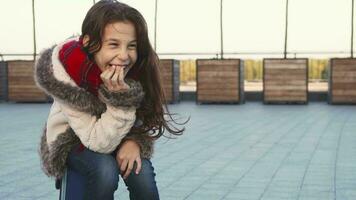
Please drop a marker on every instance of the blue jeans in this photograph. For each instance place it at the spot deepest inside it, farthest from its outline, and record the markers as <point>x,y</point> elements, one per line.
<point>101,173</point>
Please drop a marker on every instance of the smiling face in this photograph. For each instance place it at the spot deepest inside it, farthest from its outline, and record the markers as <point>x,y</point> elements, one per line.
<point>119,46</point>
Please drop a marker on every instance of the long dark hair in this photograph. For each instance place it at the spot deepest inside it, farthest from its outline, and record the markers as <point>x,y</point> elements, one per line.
<point>153,111</point>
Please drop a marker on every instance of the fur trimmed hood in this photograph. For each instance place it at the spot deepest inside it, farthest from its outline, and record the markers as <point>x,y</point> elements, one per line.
<point>64,90</point>
<point>82,100</point>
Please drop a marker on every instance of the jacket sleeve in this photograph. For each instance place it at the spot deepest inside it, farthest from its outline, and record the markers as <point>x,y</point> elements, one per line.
<point>100,134</point>
<point>103,134</point>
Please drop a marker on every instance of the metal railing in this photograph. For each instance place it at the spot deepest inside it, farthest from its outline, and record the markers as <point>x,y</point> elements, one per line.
<point>216,55</point>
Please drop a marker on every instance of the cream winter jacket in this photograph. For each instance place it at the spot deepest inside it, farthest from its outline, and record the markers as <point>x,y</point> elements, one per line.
<point>77,116</point>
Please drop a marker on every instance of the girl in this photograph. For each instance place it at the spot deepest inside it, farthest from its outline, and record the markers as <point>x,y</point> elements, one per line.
<point>108,104</point>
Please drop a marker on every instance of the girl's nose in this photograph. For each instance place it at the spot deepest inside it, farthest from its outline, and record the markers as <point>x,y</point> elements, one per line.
<point>122,55</point>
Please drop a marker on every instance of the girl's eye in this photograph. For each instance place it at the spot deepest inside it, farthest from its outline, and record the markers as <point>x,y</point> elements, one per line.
<point>132,46</point>
<point>113,44</point>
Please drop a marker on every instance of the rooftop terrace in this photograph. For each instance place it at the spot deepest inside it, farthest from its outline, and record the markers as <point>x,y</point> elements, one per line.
<point>240,152</point>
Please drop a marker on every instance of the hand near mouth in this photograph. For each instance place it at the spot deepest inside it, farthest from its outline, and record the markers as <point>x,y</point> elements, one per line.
<point>113,78</point>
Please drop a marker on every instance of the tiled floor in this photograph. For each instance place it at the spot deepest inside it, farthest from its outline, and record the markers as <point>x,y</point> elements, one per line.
<point>257,86</point>
<point>250,151</point>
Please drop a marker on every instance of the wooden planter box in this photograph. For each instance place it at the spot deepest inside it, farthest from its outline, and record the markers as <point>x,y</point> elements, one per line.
<point>3,81</point>
<point>21,84</point>
<point>220,81</point>
<point>285,80</point>
<point>342,81</point>
<point>170,79</point>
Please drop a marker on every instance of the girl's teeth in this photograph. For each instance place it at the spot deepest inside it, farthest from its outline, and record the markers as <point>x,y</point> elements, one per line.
<point>123,66</point>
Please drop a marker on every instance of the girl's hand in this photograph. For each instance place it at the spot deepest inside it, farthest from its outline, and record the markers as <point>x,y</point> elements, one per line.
<point>126,156</point>
<point>113,78</point>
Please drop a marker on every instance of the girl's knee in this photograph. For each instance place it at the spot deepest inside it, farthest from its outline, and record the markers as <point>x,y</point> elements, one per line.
<point>143,183</point>
<point>106,173</point>
<point>146,165</point>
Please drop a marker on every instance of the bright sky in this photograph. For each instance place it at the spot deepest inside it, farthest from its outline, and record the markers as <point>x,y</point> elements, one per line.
<point>188,26</point>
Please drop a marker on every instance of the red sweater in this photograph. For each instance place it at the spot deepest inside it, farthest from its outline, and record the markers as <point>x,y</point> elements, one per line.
<point>77,64</point>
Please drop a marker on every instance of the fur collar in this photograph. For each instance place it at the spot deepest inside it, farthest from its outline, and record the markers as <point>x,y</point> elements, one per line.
<point>52,78</point>
<point>62,87</point>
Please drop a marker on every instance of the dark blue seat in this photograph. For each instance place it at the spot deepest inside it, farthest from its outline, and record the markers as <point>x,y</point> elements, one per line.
<point>71,185</point>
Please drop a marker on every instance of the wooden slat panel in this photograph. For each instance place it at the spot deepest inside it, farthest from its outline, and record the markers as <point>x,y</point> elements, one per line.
<point>21,83</point>
<point>295,82</point>
<point>270,88</point>
<point>343,62</point>
<point>234,62</point>
<point>344,99</point>
<point>168,76</point>
<point>218,74</point>
<point>3,80</point>
<point>280,78</point>
<point>285,61</point>
<point>219,92</point>
<point>344,73</point>
<point>285,98</point>
<point>345,92</point>
<point>285,80</point>
<point>218,80</point>
<point>285,73</point>
<point>285,93</point>
<point>215,98</point>
<point>212,68</point>
<point>212,86</point>
<point>343,80</point>
<point>344,86</point>
<point>283,66</point>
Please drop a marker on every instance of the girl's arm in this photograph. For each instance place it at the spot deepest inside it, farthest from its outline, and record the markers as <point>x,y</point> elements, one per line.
<point>104,134</point>
<point>101,135</point>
